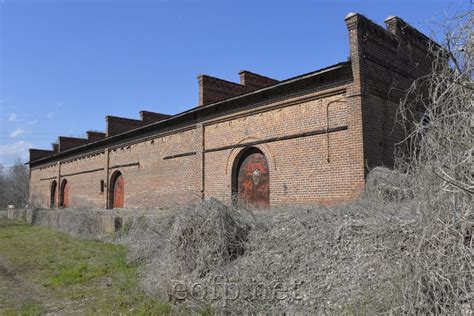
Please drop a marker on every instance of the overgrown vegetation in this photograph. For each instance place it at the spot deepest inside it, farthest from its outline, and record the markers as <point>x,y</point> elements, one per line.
<point>438,161</point>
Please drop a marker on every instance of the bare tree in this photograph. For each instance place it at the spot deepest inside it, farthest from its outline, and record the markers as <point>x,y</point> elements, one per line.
<point>14,183</point>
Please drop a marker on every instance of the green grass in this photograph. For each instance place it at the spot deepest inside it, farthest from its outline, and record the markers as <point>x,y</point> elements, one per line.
<point>62,274</point>
<point>24,310</point>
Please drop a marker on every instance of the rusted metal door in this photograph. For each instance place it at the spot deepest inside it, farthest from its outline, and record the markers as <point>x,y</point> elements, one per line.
<point>119,186</point>
<point>253,180</point>
<point>65,194</point>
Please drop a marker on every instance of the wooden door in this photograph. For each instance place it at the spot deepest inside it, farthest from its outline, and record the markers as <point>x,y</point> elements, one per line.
<point>118,192</point>
<point>253,180</point>
<point>65,194</point>
<point>54,195</point>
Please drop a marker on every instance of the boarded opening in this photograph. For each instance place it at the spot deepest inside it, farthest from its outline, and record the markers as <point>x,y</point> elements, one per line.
<point>117,190</point>
<point>251,179</point>
<point>54,195</point>
<point>64,198</point>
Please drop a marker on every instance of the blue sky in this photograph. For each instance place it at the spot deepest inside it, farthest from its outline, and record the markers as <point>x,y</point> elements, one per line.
<point>65,65</point>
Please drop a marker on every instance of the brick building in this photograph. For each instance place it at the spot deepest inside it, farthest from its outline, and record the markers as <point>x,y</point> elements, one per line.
<point>305,140</point>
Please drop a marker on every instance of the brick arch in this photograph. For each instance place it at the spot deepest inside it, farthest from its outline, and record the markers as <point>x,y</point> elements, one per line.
<point>53,197</point>
<point>250,180</point>
<point>116,190</point>
<point>264,148</point>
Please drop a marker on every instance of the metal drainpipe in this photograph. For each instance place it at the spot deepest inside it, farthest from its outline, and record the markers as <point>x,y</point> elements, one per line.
<point>327,123</point>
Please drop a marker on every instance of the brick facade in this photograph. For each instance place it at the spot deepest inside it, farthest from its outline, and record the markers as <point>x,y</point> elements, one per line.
<point>319,132</point>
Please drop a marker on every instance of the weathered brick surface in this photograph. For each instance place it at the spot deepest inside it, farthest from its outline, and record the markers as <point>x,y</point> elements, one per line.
<point>320,133</point>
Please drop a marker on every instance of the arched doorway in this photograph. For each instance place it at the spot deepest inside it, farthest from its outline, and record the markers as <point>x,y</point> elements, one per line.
<point>117,190</point>
<point>64,196</point>
<point>53,200</point>
<point>251,179</point>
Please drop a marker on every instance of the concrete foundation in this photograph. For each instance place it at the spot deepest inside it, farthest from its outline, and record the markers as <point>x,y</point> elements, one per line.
<point>76,222</point>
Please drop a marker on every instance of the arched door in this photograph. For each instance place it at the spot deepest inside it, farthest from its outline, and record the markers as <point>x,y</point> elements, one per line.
<point>117,191</point>
<point>54,195</point>
<point>64,202</point>
<point>251,183</point>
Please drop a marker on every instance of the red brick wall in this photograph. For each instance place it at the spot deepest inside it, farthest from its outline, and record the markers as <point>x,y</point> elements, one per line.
<point>40,184</point>
<point>153,180</point>
<point>299,170</point>
<point>167,169</point>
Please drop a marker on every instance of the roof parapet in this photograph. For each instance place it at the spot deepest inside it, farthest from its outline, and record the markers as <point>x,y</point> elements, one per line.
<point>148,117</point>
<point>212,89</point>
<point>117,125</point>
<point>255,81</point>
<point>36,154</point>
<point>66,143</point>
<point>94,136</point>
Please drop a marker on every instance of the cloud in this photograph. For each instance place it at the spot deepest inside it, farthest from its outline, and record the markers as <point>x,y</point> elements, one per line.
<point>33,122</point>
<point>12,117</point>
<point>11,152</point>
<point>51,115</point>
<point>16,133</point>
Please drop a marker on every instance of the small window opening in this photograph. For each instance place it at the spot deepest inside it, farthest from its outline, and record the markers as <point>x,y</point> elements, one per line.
<point>102,186</point>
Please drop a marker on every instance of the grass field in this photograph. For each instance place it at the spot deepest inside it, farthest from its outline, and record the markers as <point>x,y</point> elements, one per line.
<point>44,271</point>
